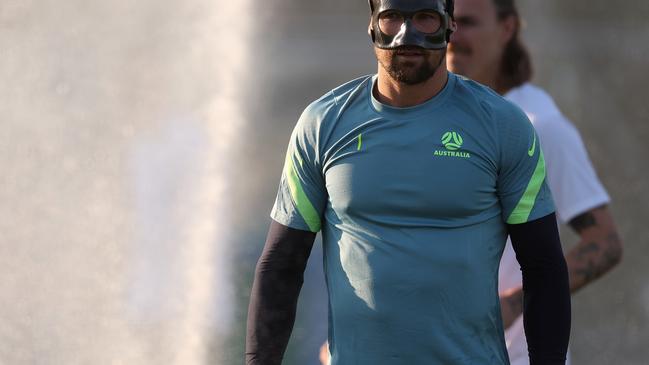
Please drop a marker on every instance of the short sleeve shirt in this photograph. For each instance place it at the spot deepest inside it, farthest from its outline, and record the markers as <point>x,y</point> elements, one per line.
<point>413,204</point>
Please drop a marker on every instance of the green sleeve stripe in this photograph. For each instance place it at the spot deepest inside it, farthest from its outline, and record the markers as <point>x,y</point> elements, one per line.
<point>524,207</point>
<point>304,206</point>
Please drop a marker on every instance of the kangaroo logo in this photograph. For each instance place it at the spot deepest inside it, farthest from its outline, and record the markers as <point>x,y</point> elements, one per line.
<point>452,141</point>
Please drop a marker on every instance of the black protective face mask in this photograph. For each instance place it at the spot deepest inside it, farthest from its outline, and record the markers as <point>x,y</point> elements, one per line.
<point>409,34</point>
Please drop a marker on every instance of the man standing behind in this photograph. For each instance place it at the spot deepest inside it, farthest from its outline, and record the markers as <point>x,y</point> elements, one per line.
<point>415,177</point>
<point>486,48</point>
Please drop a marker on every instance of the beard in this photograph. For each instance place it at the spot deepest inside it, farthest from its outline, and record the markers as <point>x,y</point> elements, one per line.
<point>409,72</point>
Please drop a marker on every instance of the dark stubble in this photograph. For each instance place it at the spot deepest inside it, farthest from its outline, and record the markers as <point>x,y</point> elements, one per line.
<point>408,72</point>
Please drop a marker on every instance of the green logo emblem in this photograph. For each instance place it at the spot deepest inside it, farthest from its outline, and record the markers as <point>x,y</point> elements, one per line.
<point>452,141</point>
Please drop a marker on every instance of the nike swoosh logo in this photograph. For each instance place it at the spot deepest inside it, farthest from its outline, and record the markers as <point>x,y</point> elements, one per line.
<point>531,151</point>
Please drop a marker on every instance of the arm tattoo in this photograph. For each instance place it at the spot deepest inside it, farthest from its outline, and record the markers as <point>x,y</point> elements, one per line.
<point>588,268</point>
<point>613,253</point>
<point>583,221</point>
<point>593,261</point>
<point>599,250</point>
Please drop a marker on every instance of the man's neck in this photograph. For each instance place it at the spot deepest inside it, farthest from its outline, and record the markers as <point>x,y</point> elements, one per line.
<point>397,94</point>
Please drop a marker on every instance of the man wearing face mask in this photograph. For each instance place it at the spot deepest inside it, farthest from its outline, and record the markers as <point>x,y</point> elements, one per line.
<point>487,48</point>
<point>415,177</point>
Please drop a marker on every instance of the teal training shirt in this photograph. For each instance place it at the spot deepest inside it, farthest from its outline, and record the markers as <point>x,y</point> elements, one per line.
<point>412,204</point>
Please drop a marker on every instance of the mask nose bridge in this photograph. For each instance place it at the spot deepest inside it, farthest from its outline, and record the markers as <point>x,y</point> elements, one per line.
<point>407,33</point>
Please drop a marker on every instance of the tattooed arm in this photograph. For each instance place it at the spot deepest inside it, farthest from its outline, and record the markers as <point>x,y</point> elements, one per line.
<point>598,251</point>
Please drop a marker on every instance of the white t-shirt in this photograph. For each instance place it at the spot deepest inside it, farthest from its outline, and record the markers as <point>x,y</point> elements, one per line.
<point>571,177</point>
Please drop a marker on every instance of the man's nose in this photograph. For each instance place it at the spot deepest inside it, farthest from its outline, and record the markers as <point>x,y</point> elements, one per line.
<point>406,32</point>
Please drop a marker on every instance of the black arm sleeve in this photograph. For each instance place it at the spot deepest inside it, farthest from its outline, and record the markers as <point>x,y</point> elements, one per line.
<point>273,301</point>
<point>546,308</point>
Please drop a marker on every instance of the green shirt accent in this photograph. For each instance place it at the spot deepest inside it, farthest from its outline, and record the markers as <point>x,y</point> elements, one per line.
<point>302,203</point>
<point>524,207</point>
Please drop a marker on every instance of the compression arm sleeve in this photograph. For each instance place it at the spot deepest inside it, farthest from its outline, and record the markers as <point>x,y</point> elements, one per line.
<point>273,301</point>
<point>546,303</point>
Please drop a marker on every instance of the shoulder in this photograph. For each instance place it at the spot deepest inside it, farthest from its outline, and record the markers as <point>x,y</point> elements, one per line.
<point>474,96</point>
<point>551,125</point>
<point>337,97</point>
<point>472,91</point>
<point>536,103</point>
<point>320,115</point>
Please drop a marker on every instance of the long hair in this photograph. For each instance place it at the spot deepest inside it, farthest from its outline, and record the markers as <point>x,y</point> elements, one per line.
<point>516,64</point>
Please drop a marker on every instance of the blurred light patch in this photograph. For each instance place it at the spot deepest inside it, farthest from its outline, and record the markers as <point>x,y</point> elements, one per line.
<point>182,259</point>
<point>119,121</point>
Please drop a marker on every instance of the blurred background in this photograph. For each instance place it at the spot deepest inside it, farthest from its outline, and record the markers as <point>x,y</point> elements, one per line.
<point>141,144</point>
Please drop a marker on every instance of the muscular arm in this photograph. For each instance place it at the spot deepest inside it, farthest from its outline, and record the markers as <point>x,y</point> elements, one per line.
<point>598,251</point>
<point>273,301</point>
<point>546,303</point>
